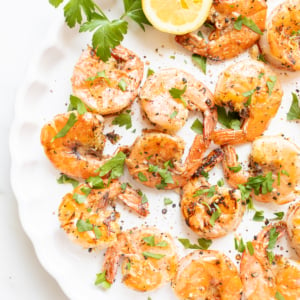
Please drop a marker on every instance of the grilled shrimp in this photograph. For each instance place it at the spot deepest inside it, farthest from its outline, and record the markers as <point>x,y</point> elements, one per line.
<point>252,89</point>
<point>89,217</point>
<point>207,274</point>
<point>281,41</point>
<point>107,87</point>
<point>211,211</point>
<point>169,113</point>
<point>226,41</point>
<point>79,153</point>
<point>293,226</point>
<point>155,160</point>
<point>272,157</point>
<point>266,279</point>
<point>150,258</point>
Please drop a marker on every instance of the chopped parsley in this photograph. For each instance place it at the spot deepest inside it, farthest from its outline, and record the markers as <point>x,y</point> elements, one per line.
<point>294,112</point>
<point>123,119</point>
<point>197,126</point>
<point>200,61</point>
<point>101,280</point>
<point>203,244</point>
<point>242,20</point>
<point>70,123</point>
<point>271,83</point>
<point>66,179</point>
<point>177,94</point>
<point>147,254</point>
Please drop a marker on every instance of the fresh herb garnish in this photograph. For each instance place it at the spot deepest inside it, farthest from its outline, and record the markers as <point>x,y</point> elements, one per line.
<point>197,126</point>
<point>123,119</point>
<point>173,114</point>
<point>230,120</point>
<point>77,104</point>
<point>235,169</point>
<point>142,177</point>
<point>167,201</point>
<point>79,198</point>
<point>122,85</point>
<point>150,241</point>
<point>65,179</point>
<point>123,186</point>
<point>273,235</point>
<point>144,199</point>
<point>258,216</point>
<point>101,280</point>
<point>150,72</point>
<point>242,20</point>
<point>95,182</point>
<point>239,245</point>
<point>279,215</point>
<point>262,58</point>
<point>210,192</point>
<point>100,74</point>
<point>220,182</point>
<point>97,232</point>
<point>70,123</point>
<point>271,83</point>
<point>294,112</point>
<point>215,216</point>
<point>83,225</point>
<point>249,95</point>
<point>279,296</point>
<point>115,165</point>
<point>203,244</point>
<point>250,248</point>
<point>147,254</point>
<point>200,61</point>
<point>177,94</point>
<point>107,33</point>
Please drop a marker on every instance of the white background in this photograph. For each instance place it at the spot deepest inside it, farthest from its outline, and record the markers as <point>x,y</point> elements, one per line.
<point>23,24</point>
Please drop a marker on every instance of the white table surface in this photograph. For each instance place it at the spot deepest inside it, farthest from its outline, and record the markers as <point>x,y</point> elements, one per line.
<point>23,24</point>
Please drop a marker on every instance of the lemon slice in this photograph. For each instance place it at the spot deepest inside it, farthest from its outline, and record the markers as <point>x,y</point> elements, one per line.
<point>176,16</point>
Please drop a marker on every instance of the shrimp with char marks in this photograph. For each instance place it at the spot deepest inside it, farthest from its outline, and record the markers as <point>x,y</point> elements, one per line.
<point>280,43</point>
<point>226,41</point>
<point>293,226</point>
<point>156,94</point>
<point>268,276</point>
<point>274,165</point>
<point>78,153</point>
<point>107,87</point>
<point>211,211</point>
<point>89,217</point>
<point>253,90</point>
<point>155,160</point>
<point>207,274</point>
<point>150,258</point>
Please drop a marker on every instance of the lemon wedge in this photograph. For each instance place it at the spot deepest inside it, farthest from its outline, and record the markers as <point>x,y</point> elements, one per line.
<point>176,16</point>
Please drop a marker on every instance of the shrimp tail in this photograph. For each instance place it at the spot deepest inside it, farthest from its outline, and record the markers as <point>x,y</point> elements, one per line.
<point>210,117</point>
<point>132,199</point>
<point>208,162</point>
<point>110,264</point>
<point>230,160</point>
<point>229,136</point>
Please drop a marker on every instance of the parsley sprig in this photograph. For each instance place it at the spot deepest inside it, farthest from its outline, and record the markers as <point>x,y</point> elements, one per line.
<point>107,33</point>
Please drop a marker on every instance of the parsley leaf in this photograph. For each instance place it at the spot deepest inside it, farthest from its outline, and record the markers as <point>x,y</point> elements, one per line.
<point>215,216</point>
<point>115,165</point>
<point>95,182</point>
<point>279,215</point>
<point>271,83</point>
<point>239,245</point>
<point>294,112</point>
<point>150,72</point>
<point>149,240</point>
<point>173,114</point>
<point>74,8</point>
<point>133,9</point>
<point>250,248</point>
<point>79,198</point>
<point>123,119</point>
<point>70,123</point>
<point>147,254</point>
<point>108,34</point>
<point>197,126</point>
<point>258,216</point>
<point>101,280</point>
<point>279,296</point>
<point>242,20</point>
<point>235,169</point>
<point>177,94</point>
<point>77,104</point>
<point>167,201</point>
<point>230,120</point>
<point>142,177</point>
<point>200,61</point>
<point>83,225</point>
<point>273,235</point>
<point>122,85</point>
<point>210,192</point>
<point>249,95</point>
<point>65,179</point>
<point>203,244</point>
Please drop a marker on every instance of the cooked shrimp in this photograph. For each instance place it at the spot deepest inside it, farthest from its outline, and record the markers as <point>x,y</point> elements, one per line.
<point>79,153</point>
<point>171,113</point>
<point>281,41</point>
<point>155,160</point>
<point>211,211</point>
<point>293,226</point>
<point>252,89</point>
<point>273,155</point>
<point>226,41</point>
<point>150,258</point>
<point>263,278</point>
<point>207,274</point>
<point>107,87</point>
<point>89,218</point>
